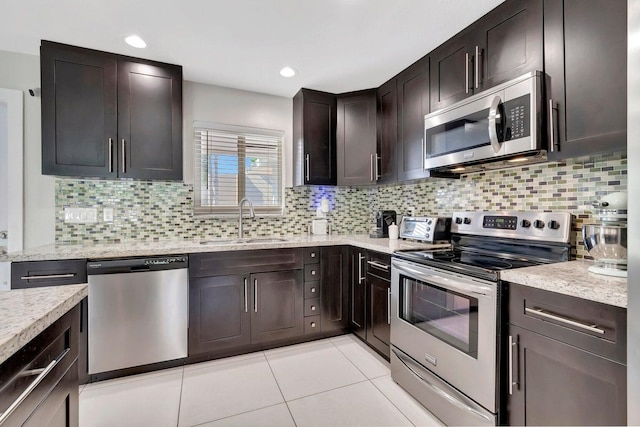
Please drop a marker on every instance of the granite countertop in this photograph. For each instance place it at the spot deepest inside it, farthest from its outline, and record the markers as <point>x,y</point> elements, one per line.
<point>572,278</point>
<point>24,313</point>
<point>118,250</point>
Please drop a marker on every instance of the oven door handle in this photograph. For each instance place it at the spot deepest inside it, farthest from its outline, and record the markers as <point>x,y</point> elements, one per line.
<point>435,278</point>
<point>439,391</point>
<point>494,121</point>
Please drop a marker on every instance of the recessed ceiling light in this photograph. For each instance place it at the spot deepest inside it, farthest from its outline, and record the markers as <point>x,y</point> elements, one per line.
<point>287,72</point>
<point>135,41</point>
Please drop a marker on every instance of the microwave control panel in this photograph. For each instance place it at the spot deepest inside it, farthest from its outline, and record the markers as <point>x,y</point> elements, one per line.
<point>517,118</point>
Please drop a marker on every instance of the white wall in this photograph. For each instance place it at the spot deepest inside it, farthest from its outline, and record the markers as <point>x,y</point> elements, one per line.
<point>218,104</point>
<point>22,72</point>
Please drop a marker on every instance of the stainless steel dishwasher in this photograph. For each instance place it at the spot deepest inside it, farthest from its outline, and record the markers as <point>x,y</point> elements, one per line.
<point>138,311</point>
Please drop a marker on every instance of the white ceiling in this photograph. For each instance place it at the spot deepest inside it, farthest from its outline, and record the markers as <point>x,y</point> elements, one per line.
<point>335,45</point>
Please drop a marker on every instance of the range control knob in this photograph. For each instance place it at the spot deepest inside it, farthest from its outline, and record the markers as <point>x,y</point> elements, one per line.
<point>467,220</point>
<point>538,224</point>
<point>554,225</point>
<point>525,223</point>
<point>458,220</point>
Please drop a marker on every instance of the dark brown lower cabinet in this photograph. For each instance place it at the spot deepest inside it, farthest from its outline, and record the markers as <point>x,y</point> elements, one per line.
<point>335,288</point>
<point>219,316</point>
<point>358,293</point>
<point>558,384</point>
<point>378,326</point>
<point>60,407</point>
<point>277,307</point>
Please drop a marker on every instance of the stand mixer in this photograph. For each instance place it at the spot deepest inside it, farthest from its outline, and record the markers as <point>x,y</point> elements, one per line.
<point>607,241</point>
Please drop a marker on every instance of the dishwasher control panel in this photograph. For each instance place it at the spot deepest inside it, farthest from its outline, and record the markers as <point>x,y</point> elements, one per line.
<point>132,265</point>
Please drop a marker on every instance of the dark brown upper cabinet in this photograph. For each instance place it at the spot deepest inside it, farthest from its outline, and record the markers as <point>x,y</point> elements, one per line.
<point>387,134</point>
<point>356,138</point>
<point>314,138</point>
<point>502,45</point>
<point>109,116</point>
<point>413,104</point>
<point>586,60</point>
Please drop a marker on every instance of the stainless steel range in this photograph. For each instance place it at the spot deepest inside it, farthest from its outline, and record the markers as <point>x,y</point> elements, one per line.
<point>445,308</point>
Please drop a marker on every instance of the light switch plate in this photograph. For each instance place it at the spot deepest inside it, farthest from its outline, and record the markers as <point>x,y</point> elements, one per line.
<point>107,214</point>
<point>80,215</point>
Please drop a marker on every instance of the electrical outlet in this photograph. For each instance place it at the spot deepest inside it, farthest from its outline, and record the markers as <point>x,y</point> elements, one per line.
<point>80,215</point>
<point>107,214</point>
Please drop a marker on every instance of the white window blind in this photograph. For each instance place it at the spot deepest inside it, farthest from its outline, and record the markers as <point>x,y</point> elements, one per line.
<point>232,162</point>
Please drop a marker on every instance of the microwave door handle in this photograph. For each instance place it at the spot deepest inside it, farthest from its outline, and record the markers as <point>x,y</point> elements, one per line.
<point>494,120</point>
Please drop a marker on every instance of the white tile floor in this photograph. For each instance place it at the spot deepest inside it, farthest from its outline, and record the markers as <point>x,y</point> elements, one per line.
<point>333,382</point>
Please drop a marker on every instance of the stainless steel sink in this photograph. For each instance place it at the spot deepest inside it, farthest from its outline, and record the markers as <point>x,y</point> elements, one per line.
<point>243,241</point>
<point>266,240</point>
<point>221,242</point>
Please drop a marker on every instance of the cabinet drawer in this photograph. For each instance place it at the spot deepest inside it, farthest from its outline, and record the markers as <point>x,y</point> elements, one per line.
<point>379,264</point>
<point>311,255</point>
<point>312,307</point>
<point>311,324</point>
<point>34,274</point>
<point>311,272</point>
<point>243,262</point>
<point>589,325</point>
<point>311,290</point>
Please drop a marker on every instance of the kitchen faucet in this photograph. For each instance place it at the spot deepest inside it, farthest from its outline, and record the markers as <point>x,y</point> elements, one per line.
<point>251,215</point>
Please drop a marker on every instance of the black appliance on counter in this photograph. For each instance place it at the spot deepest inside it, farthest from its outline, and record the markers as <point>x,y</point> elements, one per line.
<point>445,309</point>
<point>383,220</point>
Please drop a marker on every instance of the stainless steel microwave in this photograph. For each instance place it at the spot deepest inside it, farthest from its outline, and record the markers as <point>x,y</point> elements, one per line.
<point>502,126</point>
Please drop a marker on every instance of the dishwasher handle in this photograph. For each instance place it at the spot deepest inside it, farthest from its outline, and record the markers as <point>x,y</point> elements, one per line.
<point>134,265</point>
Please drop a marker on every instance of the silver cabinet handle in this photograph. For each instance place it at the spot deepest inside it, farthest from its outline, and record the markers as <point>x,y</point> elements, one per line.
<point>308,166</point>
<point>313,272</point>
<point>246,300</point>
<point>552,128</point>
<point>376,172</point>
<point>255,295</point>
<point>424,152</point>
<point>565,320</point>
<point>466,72</point>
<point>313,324</point>
<point>124,156</point>
<point>42,374</point>
<point>379,265</point>
<point>313,290</point>
<point>110,154</point>
<point>389,306</point>
<point>477,76</point>
<point>313,254</point>
<point>371,167</point>
<point>512,346</point>
<point>49,276</point>
<point>313,308</point>
<point>494,118</point>
<point>360,259</point>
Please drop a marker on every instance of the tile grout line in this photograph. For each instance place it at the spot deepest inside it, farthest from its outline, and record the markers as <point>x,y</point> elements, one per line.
<point>281,393</point>
<point>180,398</point>
<point>235,415</point>
<point>393,404</point>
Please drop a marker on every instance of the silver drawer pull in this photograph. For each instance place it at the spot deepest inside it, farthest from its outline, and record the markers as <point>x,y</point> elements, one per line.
<point>49,276</point>
<point>25,394</point>
<point>541,313</point>
<point>313,290</point>
<point>313,272</point>
<point>379,265</point>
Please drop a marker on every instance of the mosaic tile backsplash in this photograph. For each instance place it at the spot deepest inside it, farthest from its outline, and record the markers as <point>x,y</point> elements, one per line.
<point>153,210</point>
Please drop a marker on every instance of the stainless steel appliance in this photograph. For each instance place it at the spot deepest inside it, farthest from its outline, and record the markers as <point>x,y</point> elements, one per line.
<point>492,129</point>
<point>445,308</point>
<point>383,220</point>
<point>138,312</point>
<point>426,229</point>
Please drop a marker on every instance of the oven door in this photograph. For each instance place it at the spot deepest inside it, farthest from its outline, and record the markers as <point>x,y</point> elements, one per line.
<point>447,323</point>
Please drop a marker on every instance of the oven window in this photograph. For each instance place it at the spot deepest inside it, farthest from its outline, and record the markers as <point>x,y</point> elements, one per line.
<point>462,134</point>
<point>447,315</point>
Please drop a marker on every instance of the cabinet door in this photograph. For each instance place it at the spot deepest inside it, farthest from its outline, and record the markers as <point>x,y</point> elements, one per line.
<point>61,406</point>
<point>314,136</point>
<point>358,293</point>
<point>558,384</point>
<point>507,43</point>
<point>413,104</point>
<point>219,317</point>
<point>79,114</point>
<point>387,135</point>
<point>335,288</point>
<point>585,49</point>
<point>451,71</point>
<point>378,325</point>
<point>356,138</point>
<point>277,310</point>
<point>149,120</point>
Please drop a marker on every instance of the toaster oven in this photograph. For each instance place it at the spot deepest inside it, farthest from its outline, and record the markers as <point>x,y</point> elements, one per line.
<point>426,229</point>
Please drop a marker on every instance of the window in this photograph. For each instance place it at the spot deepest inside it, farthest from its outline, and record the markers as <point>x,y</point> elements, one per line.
<point>232,162</point>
